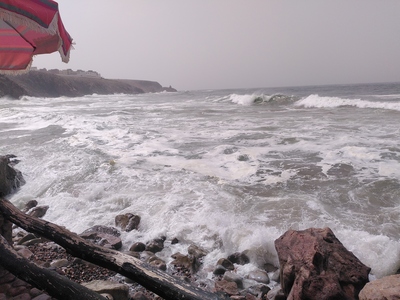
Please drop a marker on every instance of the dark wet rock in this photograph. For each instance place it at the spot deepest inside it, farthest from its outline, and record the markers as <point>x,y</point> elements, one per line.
<point>197,251</point>
<point>219,270</point>
<point>30,204</point>
<point>155,245</point>
<point>174,241</point>
<point>239,258</point>
<point>385,288</point>
<point>315,265</point>
<point>127,222</point>
<point>38,211</point>
<point>103,236</point>
<point>10,178</point>
<point>226,263</point>
<point>137,247</point>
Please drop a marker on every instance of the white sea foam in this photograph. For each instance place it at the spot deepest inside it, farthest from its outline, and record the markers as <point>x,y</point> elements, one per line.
<point>226,177</point>
<point>332,102</point>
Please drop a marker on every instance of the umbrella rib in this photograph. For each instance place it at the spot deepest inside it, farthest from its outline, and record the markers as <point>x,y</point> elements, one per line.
<point>20,34</point>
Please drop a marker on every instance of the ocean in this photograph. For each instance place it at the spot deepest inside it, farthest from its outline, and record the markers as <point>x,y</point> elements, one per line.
<point>227,170</point>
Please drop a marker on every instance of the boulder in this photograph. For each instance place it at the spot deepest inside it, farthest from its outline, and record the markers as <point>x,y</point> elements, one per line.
<point>316,265</point>
<point>386,288</point>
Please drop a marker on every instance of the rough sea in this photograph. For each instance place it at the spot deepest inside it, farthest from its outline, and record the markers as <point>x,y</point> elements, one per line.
<point>227,170</point>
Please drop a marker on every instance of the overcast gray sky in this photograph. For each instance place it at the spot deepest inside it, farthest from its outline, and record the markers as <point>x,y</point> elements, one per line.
<point>217,44</point>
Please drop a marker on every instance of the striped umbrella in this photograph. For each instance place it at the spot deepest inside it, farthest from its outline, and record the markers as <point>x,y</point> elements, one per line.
<point>28,28</point>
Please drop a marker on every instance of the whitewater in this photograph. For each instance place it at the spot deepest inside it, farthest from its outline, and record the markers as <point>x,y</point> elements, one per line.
<point>228,170</point>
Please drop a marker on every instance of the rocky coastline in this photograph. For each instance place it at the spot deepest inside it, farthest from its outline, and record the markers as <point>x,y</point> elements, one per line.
<point>42,83</point>
<point>313,263</point>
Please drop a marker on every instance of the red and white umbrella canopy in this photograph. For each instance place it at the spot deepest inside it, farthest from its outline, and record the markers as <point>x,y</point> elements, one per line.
<point>28,28</point>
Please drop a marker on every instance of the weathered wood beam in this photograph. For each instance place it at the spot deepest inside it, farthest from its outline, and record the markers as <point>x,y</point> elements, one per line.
<point>152,279</point>
<point>53,283</point>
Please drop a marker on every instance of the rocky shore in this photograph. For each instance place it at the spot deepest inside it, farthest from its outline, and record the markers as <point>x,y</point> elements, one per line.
<point>313,263</point>
<point>47,84</point>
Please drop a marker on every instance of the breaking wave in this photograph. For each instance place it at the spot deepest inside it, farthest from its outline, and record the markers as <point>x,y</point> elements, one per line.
<point>316,101</point>
<point>250,99</point>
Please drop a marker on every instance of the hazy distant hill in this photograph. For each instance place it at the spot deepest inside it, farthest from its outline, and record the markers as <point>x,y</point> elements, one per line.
<point>47,84</point>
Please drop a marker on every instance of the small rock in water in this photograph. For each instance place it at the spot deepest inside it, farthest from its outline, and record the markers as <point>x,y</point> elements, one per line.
<point>226,264</point>
<point>138,247</point>
<point>231,276</point>
<point>239,258</point>
<point>259,276</point>
<point>174,241</point>
<point>30,204</point>
<point>104,236</point>
<point>155,245</point>
<point>38,211</point>
<point>127,222</point>
<point>196,251</point>
<point>219,270</point>
<point>181,260</point>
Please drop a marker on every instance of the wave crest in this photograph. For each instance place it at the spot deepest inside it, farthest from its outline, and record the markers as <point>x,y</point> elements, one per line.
<point>316,101</point>
<point>250,99</point>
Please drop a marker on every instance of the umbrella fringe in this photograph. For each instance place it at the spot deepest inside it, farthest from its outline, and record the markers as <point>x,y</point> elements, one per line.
<point>16,72</point>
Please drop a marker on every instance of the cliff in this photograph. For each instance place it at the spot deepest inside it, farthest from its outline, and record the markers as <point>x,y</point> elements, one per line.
<point>46,84</point>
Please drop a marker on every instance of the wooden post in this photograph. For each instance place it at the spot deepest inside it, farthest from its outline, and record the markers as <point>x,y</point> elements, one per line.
<point>161,283</point>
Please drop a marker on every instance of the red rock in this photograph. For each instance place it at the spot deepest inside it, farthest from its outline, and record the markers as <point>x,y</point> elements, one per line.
<point>316,265</point>
<point>386,288</point>
<point>228,287</point>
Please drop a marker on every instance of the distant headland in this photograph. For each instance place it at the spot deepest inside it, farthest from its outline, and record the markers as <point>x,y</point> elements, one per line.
<point>70,83</point>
